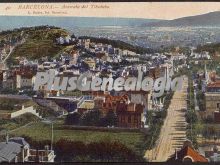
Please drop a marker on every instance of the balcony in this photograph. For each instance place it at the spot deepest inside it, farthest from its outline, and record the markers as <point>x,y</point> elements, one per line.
<point>43,155</point>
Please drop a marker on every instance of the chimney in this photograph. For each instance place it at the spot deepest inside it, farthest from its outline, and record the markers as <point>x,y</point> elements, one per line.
<point>176,155</point>
<point>16,159</point>
<point>47,149</point>
<point>7,138</point>
<point>22,154</point>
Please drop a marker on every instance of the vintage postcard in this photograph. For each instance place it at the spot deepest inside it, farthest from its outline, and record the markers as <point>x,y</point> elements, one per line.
<point>110,82</point>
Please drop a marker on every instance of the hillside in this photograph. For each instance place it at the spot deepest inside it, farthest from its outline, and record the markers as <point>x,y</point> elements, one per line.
<point>211,48</point>
<point>209,19</point>
<point>214,50</point>
<point>39,42</point>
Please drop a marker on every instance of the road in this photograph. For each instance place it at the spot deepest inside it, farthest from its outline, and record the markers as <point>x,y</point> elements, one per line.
<point>173,132</point>
<point>12,49</point>
<point>3,62</point>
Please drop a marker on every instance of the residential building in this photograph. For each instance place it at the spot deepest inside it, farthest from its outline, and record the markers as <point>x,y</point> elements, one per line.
<point>187,154</point>
<point>24,80</point>
<point>91,62</point>
<point>18,150</point>
<point>129,115</point>
<point>212,99</point>
<point>214,154</point>
<point>111,102</point>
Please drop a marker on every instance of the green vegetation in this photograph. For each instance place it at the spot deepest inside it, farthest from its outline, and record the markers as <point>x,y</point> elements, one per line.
<point>191,116</point>
<point>17,31</point>
<point>92,118</point>
<point>40,43</point>
<point>41,131</point>
<point>14,104</point>
<point>155,121</point>
<point>11,124</point>
<point>45,112</point>
<point>73,119</point>
<point>200,96</point>
<point>101,151</point>
<point>214,50</point>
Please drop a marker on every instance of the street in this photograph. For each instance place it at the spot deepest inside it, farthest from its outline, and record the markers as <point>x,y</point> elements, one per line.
<point>173,132</point>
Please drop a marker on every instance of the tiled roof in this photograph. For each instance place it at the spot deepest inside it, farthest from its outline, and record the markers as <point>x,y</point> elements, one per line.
<point>27,75</point>
<point>117,98</point>
<point>215,84</point>
<point>187,151</point>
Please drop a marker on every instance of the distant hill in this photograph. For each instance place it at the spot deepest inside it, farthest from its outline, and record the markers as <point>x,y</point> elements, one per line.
<point>209,19</point>
<point>11,22</point>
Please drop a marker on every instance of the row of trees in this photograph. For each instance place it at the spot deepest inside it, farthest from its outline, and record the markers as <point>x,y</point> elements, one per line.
<point>92,118</point>
<point>200,96</point>
<point>155,121</point>
<point>191,116</point>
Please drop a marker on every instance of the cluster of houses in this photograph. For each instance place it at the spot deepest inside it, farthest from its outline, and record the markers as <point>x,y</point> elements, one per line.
<point>99,59</point>
<point>65,40</point>
<point>104,60</point>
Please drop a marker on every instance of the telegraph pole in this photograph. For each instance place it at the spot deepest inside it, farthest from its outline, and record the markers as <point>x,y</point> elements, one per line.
<point>51,135</point>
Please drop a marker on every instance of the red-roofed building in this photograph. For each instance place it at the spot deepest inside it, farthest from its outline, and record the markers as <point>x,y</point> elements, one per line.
<point>187,154</point>
<point>213,86</point>
<point>212,99</point>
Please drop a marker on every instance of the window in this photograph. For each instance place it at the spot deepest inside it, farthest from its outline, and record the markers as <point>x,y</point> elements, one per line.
<point>218,105</point>
<point>129,119</point>
<point>135,119</point>
<point>123,119</point>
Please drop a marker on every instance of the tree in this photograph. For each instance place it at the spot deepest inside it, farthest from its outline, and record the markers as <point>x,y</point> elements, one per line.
<point>73,119</point>
<point>91,118</point>
<point>109,120</point>
<point>191,116</point>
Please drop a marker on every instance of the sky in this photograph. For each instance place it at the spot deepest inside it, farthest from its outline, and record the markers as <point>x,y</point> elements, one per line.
<point>173,10</point>
<point>162,10</point>
<point>149,10</point>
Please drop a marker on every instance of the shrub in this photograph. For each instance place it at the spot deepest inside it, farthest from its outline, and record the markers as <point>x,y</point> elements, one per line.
<point>73,119</point>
